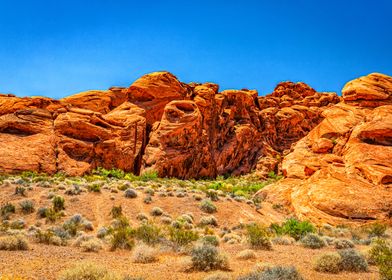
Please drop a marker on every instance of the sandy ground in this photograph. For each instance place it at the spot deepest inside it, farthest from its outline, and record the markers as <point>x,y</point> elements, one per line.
<point>47,262</point>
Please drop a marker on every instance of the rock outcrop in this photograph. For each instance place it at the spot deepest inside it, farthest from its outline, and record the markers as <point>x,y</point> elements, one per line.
<point>341,171</point>
<point>158,123</point>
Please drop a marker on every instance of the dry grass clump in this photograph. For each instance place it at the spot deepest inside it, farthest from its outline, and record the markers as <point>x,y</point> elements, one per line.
<point>217,276</point>
<point>329,263</point>
<point>88,271</point>
<point>13,243</point>
<point>343,244</point>
<point>91,245</point>
<point>246,255</point>
<point>283,240</point>
<point>144,254</point>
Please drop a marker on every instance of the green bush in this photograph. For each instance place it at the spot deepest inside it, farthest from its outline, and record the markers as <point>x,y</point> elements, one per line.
<point>381,253</point>
<point>207,257</point>
<point>27,206</point>
<point>294,228</point>
<point>258,237</point>
<point>329,263</point>
<point>58,203</point>
<point>7,209</point>
<point>109,173</point>
<point>377,230</point>
<point>181,236</point>
<point>20,190</point>
<point>148,233</point>
<point>149,176</point>
<point>116,212</point>
<point>122,234</point>
<point>94,187</point>
<point>353,261</point>
<point>210,239</point>
<point>313,241</point>
<point>207,206</point>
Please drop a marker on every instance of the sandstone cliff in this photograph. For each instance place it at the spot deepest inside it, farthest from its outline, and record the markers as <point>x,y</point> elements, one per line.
<point>342,170</point>
<point>158,123</point>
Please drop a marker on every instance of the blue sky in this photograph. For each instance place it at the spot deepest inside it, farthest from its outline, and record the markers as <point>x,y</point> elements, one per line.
<point>57,48</point>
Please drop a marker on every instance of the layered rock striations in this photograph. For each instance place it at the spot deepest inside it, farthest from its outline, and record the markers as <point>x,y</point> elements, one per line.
<point>161,124</point>
<point>342,170</point>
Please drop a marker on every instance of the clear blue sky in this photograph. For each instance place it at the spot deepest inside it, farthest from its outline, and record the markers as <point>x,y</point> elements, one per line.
<point>57,48</point>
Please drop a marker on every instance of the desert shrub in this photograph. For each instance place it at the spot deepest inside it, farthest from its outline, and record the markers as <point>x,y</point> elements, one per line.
<point>58,203</point>
<point>122,234</point>
<point>181,236</point>
<point>381,253</point>
<point>88,271</point>
<point>376,230</point>
<point>258,237</point>
<point>102,232</point>
<point>208,221</point>
<point>210,239</point>
<point>343,243</point>
<point>142,217</point>
<point>148,233</point>
<point>352,260</point>
<point>246,255</point>
<point>329,262</point>
<point>13,243</point>
<point>283,240</point>
<point>166,220</point>
<point>207,206</point>
<point>130,193</point>
<point>147,199</point>
<point>144,254</point>
<point>95,187</point>
<point>116,212</point>
<point>149,176</point>
<point>20,190</point>
<point>109,173</point>
<point>52,215</point>
<point>7,209</point>
<point>274,273</point>
<point>206,257</point>
<point>49,237</point>
<point>294,228</point>
<point>18,224</point>
<point>313,241</point>
<point>27,206</point>
<point>91,245</point>
<point>156,211</point>
<point>212,194</point>
<point>41,212</point>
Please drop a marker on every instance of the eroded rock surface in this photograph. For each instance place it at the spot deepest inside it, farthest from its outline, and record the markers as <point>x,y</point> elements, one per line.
<point>158,123</point>
<point>342,170</point>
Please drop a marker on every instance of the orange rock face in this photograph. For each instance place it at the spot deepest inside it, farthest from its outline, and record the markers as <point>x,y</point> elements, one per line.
<point>342,170</point>
<point>158,123</point>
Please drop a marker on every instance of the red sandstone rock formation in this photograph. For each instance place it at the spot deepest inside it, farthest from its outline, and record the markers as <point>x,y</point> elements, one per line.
<point>158,123</point>
<point>342,170</point>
